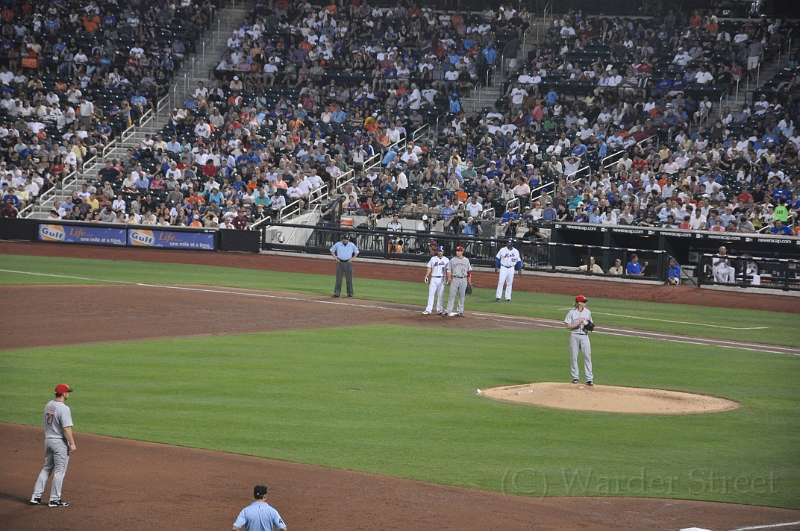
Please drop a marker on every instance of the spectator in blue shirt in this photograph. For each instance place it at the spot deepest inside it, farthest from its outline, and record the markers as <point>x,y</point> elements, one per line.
<point>579,150</point>
<point>549,213</point>
<point>780,229</point>
<point>510,215</point>
<point>634,268</point>
<point>674,272</point>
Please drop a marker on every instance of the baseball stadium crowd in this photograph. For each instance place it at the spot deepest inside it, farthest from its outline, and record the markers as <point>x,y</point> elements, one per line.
<point>74,75</point>
<point>607,121</point>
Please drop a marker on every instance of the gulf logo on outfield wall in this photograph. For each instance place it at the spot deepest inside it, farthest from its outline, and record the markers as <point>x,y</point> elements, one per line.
<point>51,233</point>
<point>142,238</point>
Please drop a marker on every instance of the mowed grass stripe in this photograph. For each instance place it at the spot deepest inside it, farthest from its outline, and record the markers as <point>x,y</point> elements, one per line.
<point>392,400</point>
<point>780,328</point>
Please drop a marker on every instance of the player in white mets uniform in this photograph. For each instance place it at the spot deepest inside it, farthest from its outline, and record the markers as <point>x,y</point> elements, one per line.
<point>435,277</point>
<point>507,261</point>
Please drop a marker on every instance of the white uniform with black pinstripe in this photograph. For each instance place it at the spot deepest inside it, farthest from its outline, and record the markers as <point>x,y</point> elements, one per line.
<point>438,267</point>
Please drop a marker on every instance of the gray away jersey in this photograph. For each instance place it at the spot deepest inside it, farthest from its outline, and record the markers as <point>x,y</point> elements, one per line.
<point>459,267</point>
<point>57,416</point>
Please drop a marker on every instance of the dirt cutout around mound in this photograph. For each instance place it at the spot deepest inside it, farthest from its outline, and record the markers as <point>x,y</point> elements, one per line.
<point>608,399</point>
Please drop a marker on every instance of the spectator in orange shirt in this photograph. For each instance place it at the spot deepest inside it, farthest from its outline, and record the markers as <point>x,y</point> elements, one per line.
<point>383,139</point>
<point>195,200</point>
<point>91,23</point>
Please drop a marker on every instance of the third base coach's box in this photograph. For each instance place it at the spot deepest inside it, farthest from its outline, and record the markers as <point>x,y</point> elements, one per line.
<point>203,241</point>
<point>81,234</point>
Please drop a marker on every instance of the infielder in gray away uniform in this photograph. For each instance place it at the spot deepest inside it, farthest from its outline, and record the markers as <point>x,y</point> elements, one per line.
<point>579,339</point>
<point>58,443</point>
<point>459,274</point>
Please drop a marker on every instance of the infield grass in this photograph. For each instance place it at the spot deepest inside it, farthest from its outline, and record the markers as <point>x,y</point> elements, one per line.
<point>723,323</point>
<point>391,400</point>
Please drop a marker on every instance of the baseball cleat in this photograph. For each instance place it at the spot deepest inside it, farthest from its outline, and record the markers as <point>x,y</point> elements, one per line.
<point>58,503</point>
<point>459,315</point>
<point>589,383</point>
<point>444,314</point>
<point>36,501</point>
<point>508,300</point>
<point>497,299</point>
<point>426,312</point>
<point>575,380</point>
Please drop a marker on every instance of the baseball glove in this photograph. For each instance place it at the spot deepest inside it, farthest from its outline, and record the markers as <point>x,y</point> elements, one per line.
<point>589,327</point>
<point>468,291</point>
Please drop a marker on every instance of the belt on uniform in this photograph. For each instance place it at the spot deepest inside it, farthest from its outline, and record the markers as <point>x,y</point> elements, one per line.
<point>459,277</point>
<point>506,266</point>
<point>344,260</point>
<point>438,277</point>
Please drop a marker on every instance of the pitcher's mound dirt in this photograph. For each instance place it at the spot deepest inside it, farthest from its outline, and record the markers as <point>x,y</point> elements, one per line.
<point>608,399</point>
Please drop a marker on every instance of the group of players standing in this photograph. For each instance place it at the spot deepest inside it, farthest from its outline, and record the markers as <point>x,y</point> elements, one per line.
<point>457,273</point>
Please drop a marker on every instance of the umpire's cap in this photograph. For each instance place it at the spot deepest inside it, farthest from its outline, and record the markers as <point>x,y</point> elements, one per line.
<point>260,491</point>
<point>63,388</point>
<point>581,298</point>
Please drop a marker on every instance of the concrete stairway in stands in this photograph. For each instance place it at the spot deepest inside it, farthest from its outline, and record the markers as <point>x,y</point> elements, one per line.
<point>484,97</point>
<point>196,68</point>
<point>746,89</point>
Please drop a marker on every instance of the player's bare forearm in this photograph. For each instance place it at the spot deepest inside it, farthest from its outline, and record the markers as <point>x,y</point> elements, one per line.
<point>70,439</point>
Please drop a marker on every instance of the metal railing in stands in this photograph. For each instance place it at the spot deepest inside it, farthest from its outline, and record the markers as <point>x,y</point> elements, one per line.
<point>48,196</point>
<point>126,135</point>
<point>318,195</point>
<point>642,141</point>
<point>265,220</point>
<point>111,146</point>
<point>574,176</point>
<point>513,203</point>
<point>163,103</point>
<point>616,156</point>
<point>438,118</point>
<point>288,210</point>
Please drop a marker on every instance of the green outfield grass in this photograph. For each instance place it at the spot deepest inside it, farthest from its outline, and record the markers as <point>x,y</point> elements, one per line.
<point>744,325</point>
<point>392,400</point>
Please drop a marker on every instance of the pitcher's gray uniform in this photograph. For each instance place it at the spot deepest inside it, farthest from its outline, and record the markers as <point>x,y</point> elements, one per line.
<point>57,416</point>
<point>459,269</point>
<point>579,339</point>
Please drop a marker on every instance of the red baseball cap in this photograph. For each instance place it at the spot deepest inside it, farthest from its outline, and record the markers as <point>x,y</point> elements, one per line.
<point>63,388</point>
<point>581,298</point>
<point>459,248</point>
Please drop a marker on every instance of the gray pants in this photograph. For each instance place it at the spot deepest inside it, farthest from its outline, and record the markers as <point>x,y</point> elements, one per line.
<point>580,342</point>
<point>459,287</point>
<point>56,456</point>
<point>346,269</point>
